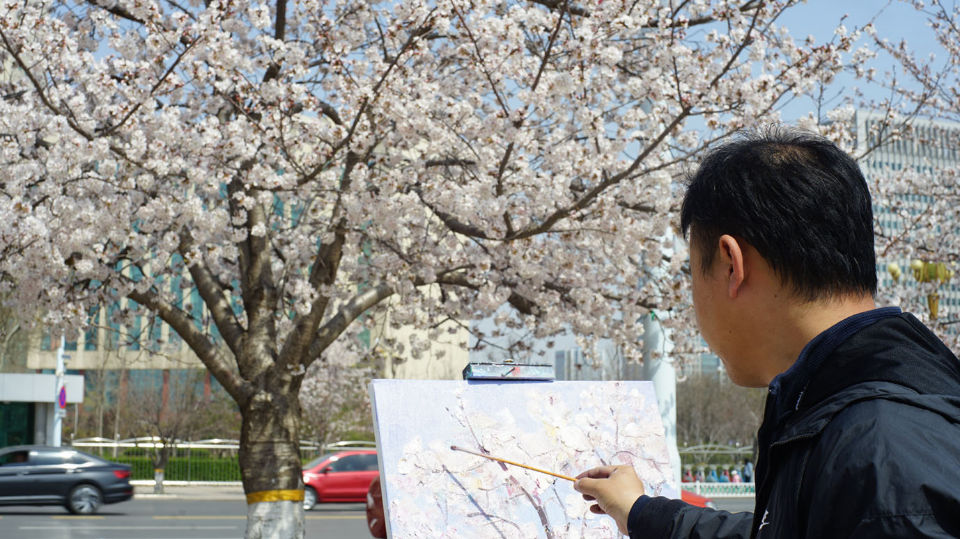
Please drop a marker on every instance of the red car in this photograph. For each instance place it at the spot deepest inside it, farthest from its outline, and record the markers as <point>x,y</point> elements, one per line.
<point>343,476</point>
<point>696,499</point>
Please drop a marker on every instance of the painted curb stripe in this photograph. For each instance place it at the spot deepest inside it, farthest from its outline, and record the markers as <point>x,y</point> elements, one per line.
<point>275,496</point>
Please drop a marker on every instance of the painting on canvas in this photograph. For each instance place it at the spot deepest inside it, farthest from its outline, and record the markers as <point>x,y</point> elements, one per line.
<point>564,427</point>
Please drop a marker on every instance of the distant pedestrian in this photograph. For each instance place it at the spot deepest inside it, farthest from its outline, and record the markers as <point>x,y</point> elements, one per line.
<point>735,476</point>
<point>747,471</point>
<point>712,476</point>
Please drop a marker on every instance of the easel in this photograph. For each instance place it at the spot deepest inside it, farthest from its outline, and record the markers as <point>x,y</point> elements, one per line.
<point>508,371</point>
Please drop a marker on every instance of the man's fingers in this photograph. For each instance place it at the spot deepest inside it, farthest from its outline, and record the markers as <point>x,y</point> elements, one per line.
<point>614,489</point>
<point>596,509</point>
<point>582,485</point>
<point>587,486</point>
<point>600,472</point>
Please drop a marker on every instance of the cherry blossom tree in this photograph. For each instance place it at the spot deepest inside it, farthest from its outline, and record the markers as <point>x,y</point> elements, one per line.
<point>335,400</point>
<point>305,165</point>
<point>919,196</point>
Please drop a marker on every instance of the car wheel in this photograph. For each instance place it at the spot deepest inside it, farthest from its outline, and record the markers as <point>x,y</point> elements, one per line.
<point>309,498</point>
<point>84,500</point>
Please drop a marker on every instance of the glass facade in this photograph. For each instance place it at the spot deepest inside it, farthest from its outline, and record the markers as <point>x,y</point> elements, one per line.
<point>16,423</point>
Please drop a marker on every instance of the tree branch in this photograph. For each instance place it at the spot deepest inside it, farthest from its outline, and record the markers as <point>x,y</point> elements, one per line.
<point>118,10</point>
<point>580,11</point>
<point>451,221</point>
<point>595,192</point>
<point>366,102</point>
<point>346,315</point>
<point>297,347</point>
<point>109,130</point>
<point>279,30</point>
<point>213,296</point>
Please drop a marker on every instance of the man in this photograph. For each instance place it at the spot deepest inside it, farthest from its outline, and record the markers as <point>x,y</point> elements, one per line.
<point>861,432</point>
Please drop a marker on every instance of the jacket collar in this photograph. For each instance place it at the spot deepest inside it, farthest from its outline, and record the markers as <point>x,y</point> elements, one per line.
<point>894,357</point>
<point>811,421</point>
<point>788,388</point>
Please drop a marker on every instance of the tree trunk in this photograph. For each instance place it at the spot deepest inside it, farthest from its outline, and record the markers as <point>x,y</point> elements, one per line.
<point>161,457</point>
<point>270,464</point>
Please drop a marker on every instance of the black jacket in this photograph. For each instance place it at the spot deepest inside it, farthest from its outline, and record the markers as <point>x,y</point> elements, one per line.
<point>865,444</point>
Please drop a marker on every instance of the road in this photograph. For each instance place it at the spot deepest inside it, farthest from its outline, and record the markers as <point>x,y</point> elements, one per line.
<point>169,519</point>
<point>192,518</point>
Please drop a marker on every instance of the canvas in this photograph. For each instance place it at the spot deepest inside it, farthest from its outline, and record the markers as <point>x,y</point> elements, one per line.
<point>431,491</point>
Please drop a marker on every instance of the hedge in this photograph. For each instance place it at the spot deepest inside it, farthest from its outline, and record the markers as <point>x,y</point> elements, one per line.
<point>185,469</point>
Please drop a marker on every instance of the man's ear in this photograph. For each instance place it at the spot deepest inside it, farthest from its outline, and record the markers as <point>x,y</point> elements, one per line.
<point>731,256</point>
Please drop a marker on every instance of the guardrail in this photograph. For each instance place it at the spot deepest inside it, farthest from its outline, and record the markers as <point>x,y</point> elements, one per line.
<point>154,442</point>
<point>211,461</point>
<point>721,490</point>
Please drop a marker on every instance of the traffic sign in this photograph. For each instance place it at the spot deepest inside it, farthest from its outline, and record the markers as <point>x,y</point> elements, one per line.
<point>62,397</point>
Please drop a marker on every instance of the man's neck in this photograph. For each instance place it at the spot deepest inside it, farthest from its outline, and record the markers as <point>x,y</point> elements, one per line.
<point>803,320</point>
<point>814,318</point>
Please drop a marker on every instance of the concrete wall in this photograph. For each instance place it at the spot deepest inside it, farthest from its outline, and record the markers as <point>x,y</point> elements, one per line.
<point>41,390</point>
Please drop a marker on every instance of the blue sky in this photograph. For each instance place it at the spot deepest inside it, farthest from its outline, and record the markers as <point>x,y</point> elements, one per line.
<point>894,20</point>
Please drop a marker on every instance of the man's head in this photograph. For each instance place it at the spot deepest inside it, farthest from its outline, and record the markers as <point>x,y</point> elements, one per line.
<point>800,201</point>
<point>781,248</point>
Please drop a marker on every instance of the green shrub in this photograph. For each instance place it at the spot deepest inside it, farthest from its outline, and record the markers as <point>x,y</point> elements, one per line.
<point>185,468</point>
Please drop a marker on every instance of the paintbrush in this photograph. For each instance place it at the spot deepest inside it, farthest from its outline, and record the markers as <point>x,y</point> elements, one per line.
<point>505,461</point>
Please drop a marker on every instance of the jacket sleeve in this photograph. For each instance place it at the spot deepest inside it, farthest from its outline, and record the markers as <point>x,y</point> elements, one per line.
<point>659,517</point>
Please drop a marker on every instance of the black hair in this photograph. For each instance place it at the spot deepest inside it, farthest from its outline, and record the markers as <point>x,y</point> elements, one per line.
<point>798,199</point>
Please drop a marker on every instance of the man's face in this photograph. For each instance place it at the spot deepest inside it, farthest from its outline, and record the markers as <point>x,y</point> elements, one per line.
<point>705,288</point>
<point>718,316</point>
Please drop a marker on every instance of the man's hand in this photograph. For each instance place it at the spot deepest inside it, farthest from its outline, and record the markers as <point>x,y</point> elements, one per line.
<point>614,488</point>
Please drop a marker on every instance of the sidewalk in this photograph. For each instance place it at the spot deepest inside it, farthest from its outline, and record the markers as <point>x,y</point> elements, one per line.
<point>177,490</point>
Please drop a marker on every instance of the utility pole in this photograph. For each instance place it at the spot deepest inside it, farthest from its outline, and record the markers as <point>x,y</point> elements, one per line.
<point>60,397</point>
<point>659,369</point>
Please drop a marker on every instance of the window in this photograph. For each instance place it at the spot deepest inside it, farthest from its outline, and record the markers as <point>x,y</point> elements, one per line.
<point>350,463</point>
<point>15,458</point>
<point>90,335</point>
<point>79,458</point>
<point>370,463</point>
<point>48,458</point>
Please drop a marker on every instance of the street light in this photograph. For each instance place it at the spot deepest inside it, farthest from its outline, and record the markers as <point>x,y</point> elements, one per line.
<point>936,273</point>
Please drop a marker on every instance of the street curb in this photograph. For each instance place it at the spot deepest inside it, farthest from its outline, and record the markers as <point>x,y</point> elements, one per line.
<point>181,490</point>
<point>172,483</point>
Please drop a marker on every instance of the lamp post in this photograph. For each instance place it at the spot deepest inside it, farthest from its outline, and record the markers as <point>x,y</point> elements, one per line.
<point>659,369</point>
<point>59,401</point>
<point>935,273</point>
